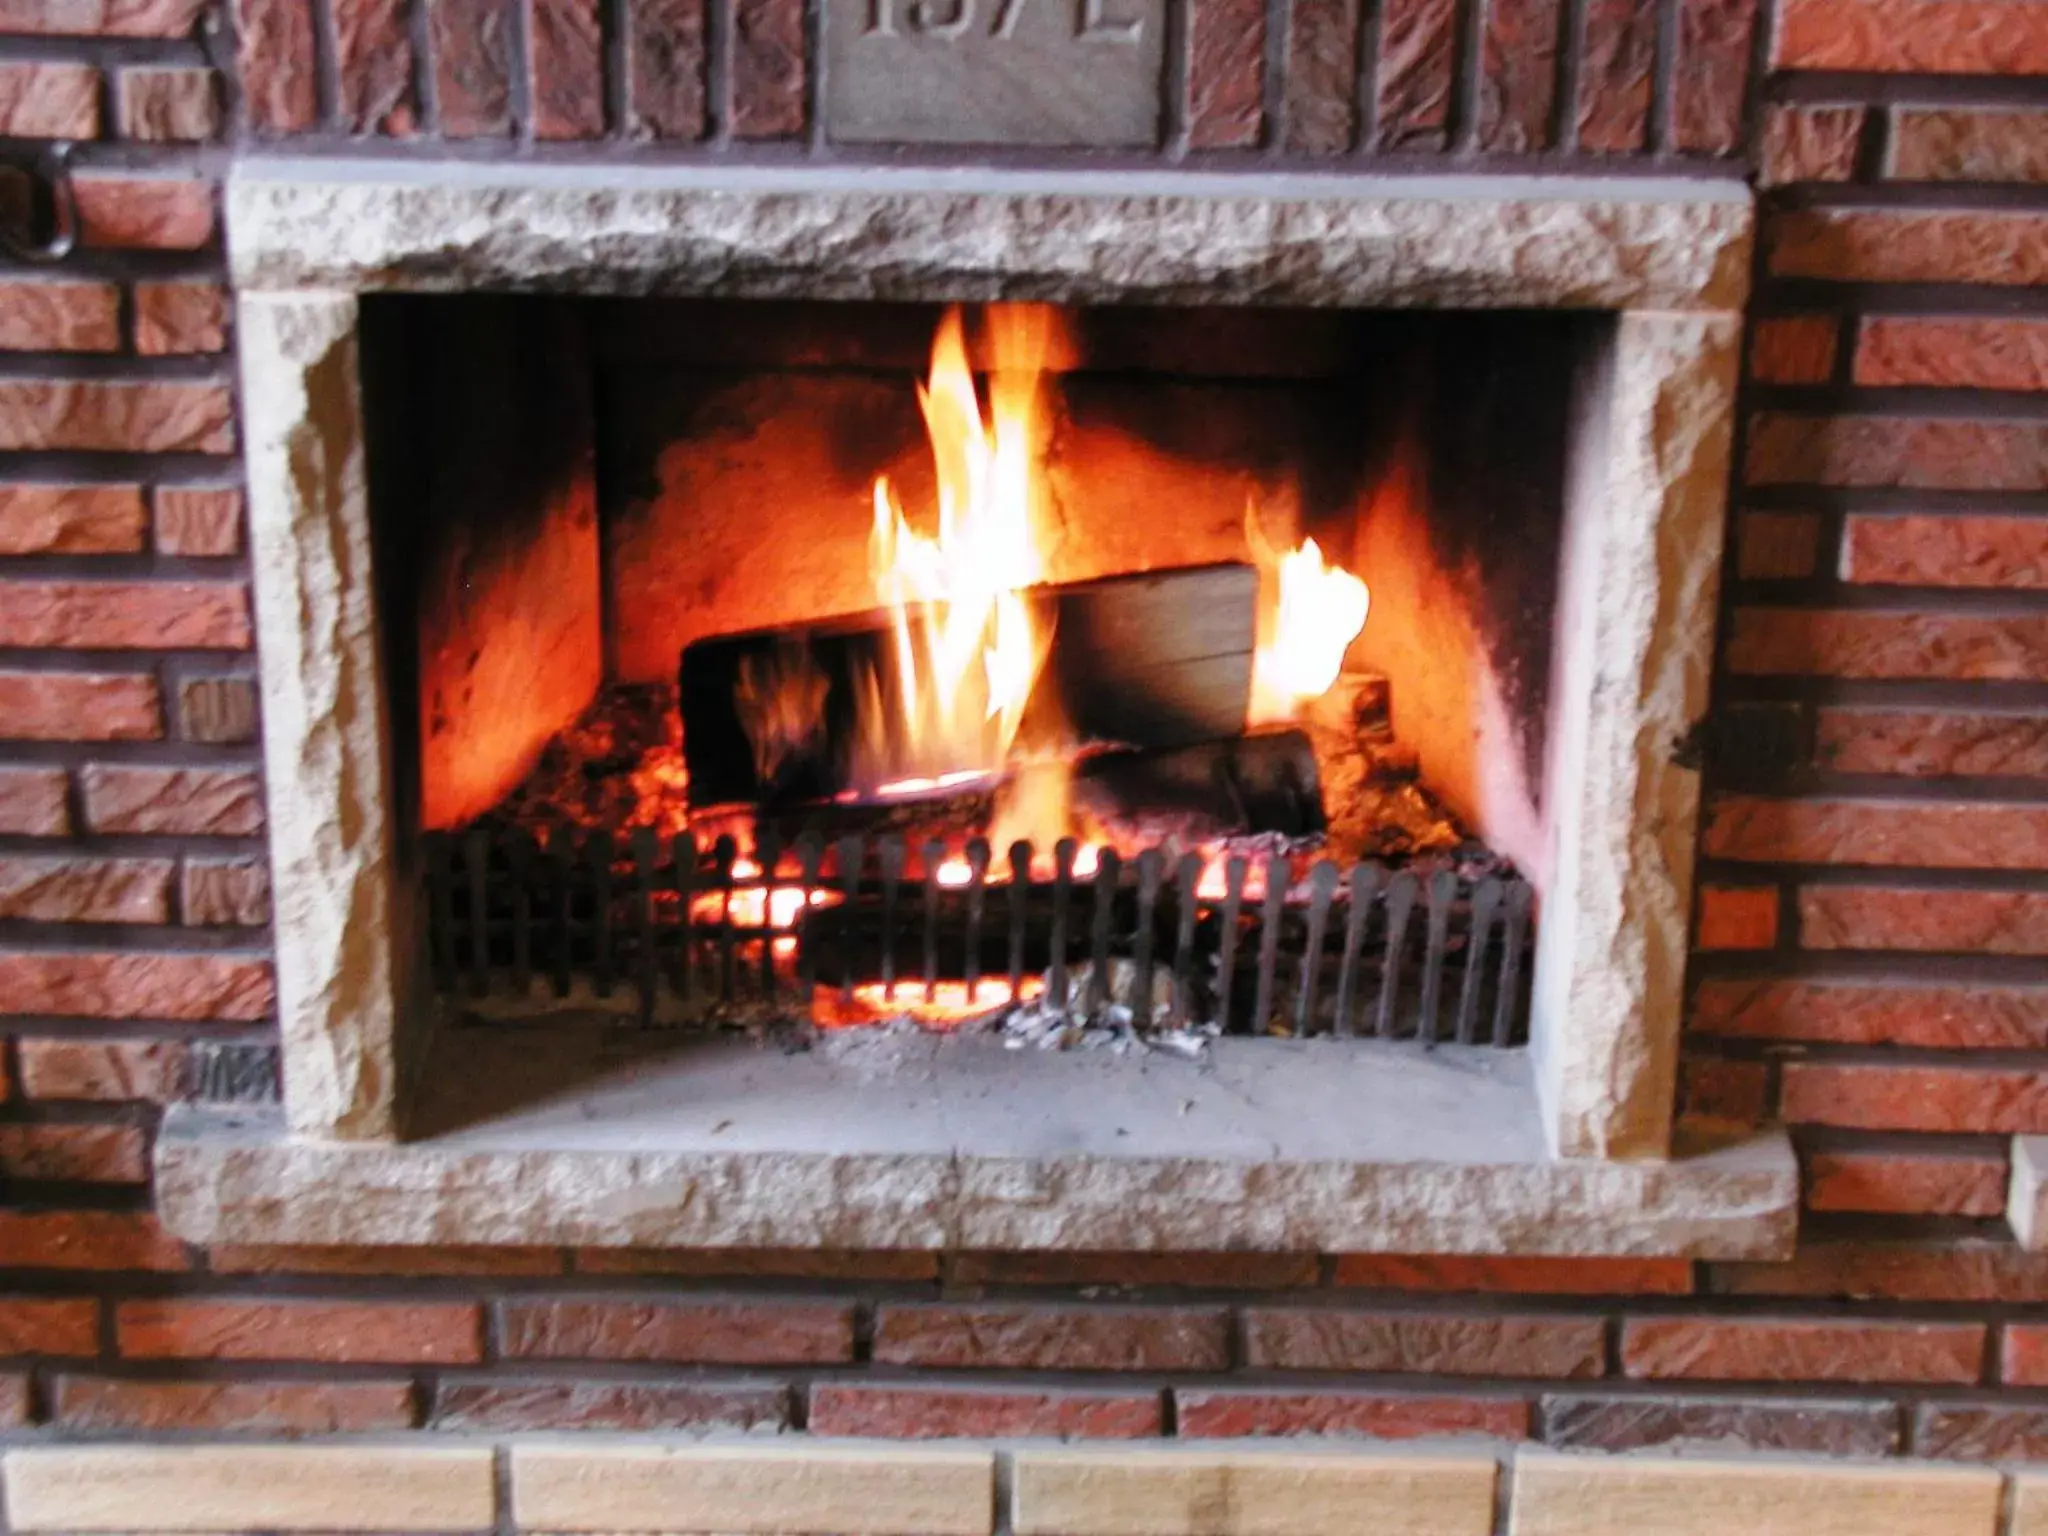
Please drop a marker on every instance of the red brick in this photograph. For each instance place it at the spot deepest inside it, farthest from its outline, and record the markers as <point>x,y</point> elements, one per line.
<point>1053,1338</point>
<point>1905,245</point>
<point>1932,743</point>
<point>470,43</point>
<point>2001,353</point>
<point>1615,62</point>
<point>1195,1271</point>
<point>150,1071</point>
<point>2024,1359</point>
<point>1962,551</point>
<point>180,317</point>
<point>117,416</point>
<point>1323,1340</point>
<point>224,893</point>
<point>1894,643</point>
<point>1777,546</point>
<point>1964,37</point>
<point>665,79</point>
<point>242,1407</point>
<point>209,802</point>
<point>1769,1349</point>
<point>1232,1413</point>
<point>14,1402</point>
<point>723,1332</point>
<point>83,1154</point>
<point>1793,349</point>
<point>1980,1432</point>
<point>41,314</point>
<point>314,1259</point>
<point>275,62</point>
<point>1532,1276</point>
<point>1967,144</point>
<point>77,889</point>
<point>1877,832</point>
<point>1973,922</point>
<point>35,1326</point>
<point>373,44</point>
<point>59,519</point>
<point>142,212</point>
<point>217,709</point>
<point>1899,1183</point>
<point>1418,49</point>
<point>44,99</point>
<point>1895,1271</point>
<point>101,18</point>
<point>1737,917</point>
<point>1714,1424</point>
<point>1810,143</point>
<point>1918,1098</point>
<point>1226,77</point>
<point>700,1407</point>
<point>1518,75</point>
<point>331,1333</point>
<point>89,1240</point>
<point>80,706</point>
<point>88,984</point>
<point>1319,87</point>
<point>32,802</point>
<point>758,1263</point>
<point>1724,1092</point>
<point>1916,453</point>
<point>565,69</point>
<point>198,519</point>
<point>1710,74</point>
<point>768,71</point>
<point>1942,1017</point>
<point>891,1412</point>
<point>168,103</point>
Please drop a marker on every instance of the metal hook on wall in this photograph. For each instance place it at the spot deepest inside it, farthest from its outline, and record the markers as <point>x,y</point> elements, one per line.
<point>38,207</point>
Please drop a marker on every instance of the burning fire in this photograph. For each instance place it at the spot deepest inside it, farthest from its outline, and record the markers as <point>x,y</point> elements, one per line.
<point>1305,627</point>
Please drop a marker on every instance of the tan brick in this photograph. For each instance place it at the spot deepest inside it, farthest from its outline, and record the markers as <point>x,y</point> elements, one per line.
<point>76,889</point>
<point>333,1333</point>
<point>82,1154</point>
<point>45,99</point>
<point>2029,1504</point>
<point>216,802</point>
<point>1203,1492</point>
<point>754,1491</point>
<point>167,102</point>
<point>224,893</point>
<point>180,317</point>
<point>58,519</point>
<point>250,1488</point>
<point>218,709</point>
<point>118,1071</point>
<point>1968,144</point>
<point>79,706</point>
<point>198,519</point>
<point>1561,1495</point>
<point>48,314</point>
<point>14,1403</point>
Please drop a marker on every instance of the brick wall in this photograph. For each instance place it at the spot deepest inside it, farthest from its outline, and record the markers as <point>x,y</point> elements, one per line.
<point>1875,914</point>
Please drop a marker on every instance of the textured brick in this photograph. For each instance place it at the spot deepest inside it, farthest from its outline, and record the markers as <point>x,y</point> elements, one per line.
<point>1529,1276</point>
<point>212,802</point>
<point>1237,1412</point>
<point>198,519</point>
<point>1953,353</point>
<point>14,1401</point>
<point>1922,1098</point>
<point>60,519</point>
<point>1941,1016</point>
<point>1710,74</point>
<point>1810,143</point>
<point>1199,1271</point>
<point>759,1263</point>
<point>1753,1349</point>
<point>332,1333</point>
<point>1943,1270</point>
<point>1793,349</point>
<point>167,103</point>
<point>665,79</point>
<point>242,1407</point>
<point>217,709</point>
<point>56,315</point>
<point>76,889</point>
<point>1904,245</point>
<point>119,416</point>
<point>1226,77</point>
<point>1418,49</point>
<point>180,317</point>
<point>701,1407</point>
<point>471,46</point>
<point>126,615</point>
<point>44,99</point>
<point>79,706</point>
<point>565,69</point>
<point>1723,1091</point>
<point>81,1154</point>
<point>32,802</point>
<point>1870,917</point>
<point>768,73</point>
<point>224,893</point>
<point>140,212</point>
<point>732,1332</point>
<point>1319,89</point>
<point>275,63</point>
<point>1615,62</point>
<point>1932,743</point>
<point>373,46</point>
<point>1318,1340</point>
<point>89,1240</point>
<point>1053,1338</point>
<point>101,18</point>
<point>925,1412</point>
<point>33,1325</point>
<point>1980,1432</point>
<point>1737,917</point>
<point>93,985</point>
<point>2024,1359</point>
<point>314,1259</point>
<point>150,1071</point>
<point>1962,551</point>
<point>1776,546</point>
<point>1518,75</point>
<point>1901,1183</point>
<point>1916,453</point>
<point>1964,37</point>
<point>1877,832</point>
<point>1968,144</point>
<point>1812,1427</point>
<point>1893,643</point>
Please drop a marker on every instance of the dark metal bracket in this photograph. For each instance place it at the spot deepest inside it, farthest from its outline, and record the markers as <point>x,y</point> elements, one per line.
<point>38,206</point>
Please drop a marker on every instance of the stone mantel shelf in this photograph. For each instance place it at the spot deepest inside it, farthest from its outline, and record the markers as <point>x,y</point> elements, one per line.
<point>906,1140</point>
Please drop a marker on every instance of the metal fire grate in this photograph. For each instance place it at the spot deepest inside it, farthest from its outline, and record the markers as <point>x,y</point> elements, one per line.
<point>655,927</point>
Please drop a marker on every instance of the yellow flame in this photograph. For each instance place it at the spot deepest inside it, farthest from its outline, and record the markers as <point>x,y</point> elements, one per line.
<point>1319,610</point>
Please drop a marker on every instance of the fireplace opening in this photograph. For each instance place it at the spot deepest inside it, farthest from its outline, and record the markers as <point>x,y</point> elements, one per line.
<point>1068,672</point>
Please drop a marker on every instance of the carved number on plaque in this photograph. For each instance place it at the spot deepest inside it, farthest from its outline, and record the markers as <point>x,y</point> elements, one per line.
<point>948,19</point>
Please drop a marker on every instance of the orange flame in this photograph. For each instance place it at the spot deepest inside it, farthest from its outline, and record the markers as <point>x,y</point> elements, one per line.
<point>1307,622</point>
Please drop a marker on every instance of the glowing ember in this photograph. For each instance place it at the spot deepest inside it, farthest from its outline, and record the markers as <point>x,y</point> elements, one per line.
<point>1318,612</point>
<point>746,905</point>
<point>950,1005</point>
<point>904,789</point>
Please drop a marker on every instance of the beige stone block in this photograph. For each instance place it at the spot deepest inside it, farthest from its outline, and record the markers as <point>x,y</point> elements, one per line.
<point>248,1488</point>
<point>1557,1495</point>
<point>2029,1505</point>
<point>727,1490</point>
<point>1208,1492</point>
<point>2026,1197</point>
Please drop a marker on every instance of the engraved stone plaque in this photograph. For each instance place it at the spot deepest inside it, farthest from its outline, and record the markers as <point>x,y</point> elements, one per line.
<point>1044,72</point>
